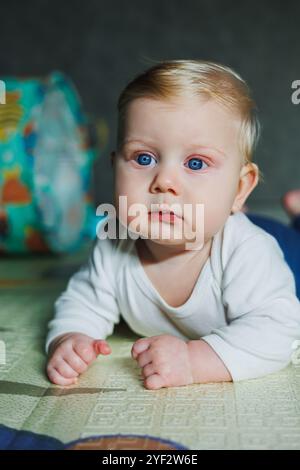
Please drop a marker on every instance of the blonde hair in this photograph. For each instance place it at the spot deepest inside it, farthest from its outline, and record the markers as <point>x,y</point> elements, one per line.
<point>170,79</point>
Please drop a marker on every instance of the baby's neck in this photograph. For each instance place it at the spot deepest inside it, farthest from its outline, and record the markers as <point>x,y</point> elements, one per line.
<point>171,256</point>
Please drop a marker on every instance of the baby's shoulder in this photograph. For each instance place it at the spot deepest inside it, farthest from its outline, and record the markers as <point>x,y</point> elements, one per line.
<point>240,231</point>
<point>112,249</point>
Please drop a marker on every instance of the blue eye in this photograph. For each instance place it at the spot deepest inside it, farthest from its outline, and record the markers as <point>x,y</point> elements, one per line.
<point>196,163</point>
<point>144,159</point>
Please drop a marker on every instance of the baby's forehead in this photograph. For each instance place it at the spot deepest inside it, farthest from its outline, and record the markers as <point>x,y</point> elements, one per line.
<point>184,112</point>
<point>182,120</point>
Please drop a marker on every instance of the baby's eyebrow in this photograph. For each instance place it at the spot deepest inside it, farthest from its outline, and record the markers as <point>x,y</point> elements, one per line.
<point>135,141</point>
<point>206,147</point>
<point>192,146</point>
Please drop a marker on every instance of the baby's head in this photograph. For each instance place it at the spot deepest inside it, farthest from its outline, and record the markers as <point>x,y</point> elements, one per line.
<point>187,130</point>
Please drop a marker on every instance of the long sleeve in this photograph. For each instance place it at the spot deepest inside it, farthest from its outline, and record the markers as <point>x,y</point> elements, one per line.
<point>262,310</point>
<point>88,305</point>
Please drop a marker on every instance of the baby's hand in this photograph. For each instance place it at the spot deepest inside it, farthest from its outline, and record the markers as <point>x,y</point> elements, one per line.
<point>71,354</point>
<point>165,361</point>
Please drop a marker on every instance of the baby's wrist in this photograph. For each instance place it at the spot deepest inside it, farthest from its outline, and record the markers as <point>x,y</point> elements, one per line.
<point>197,354</point>
<point>58,340</point>
<point>191,356</point>
<point>206,365</point>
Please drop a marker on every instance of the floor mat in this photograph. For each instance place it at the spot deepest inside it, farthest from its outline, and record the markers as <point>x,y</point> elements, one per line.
<point>109,399</point>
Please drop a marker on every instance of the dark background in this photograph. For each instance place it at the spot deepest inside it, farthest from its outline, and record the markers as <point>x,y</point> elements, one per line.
<point>102,45</point>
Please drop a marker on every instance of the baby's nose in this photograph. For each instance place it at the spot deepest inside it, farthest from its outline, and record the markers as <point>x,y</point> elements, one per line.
<point>166,179</point>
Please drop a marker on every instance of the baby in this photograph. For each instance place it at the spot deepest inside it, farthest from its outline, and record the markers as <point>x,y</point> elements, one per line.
<point>224,309</point>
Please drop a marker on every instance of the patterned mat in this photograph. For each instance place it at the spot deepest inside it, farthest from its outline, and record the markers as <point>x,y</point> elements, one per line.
<point>109,403</point>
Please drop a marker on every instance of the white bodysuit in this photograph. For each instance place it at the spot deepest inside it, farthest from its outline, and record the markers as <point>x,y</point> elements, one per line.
<point>244,303</point>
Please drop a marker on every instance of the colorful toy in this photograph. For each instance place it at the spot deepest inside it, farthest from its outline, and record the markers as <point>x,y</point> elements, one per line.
<point>46,157</point>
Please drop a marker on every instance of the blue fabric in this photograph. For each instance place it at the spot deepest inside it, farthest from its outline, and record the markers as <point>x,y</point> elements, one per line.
<point>288,238</point>
<point>12,439</point>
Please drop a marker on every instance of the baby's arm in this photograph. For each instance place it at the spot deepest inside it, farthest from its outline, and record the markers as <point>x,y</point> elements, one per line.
<point>206,365</point>
<point>86,310</point>
<point>71,354</point>
<point>262,310</point>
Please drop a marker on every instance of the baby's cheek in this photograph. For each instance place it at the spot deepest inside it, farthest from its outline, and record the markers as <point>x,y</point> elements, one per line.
<point>215,217</point>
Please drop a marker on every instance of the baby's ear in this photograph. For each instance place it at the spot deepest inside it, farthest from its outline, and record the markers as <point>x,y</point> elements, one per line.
<point>248,181</point>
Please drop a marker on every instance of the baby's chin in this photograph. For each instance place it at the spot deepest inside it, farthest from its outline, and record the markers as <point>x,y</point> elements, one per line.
<point>162,242</point>
<point>177,245</point>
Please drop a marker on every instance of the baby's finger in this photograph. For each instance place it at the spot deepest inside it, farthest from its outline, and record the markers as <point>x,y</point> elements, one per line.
<point>154,382</point>
<point>140,346</point>
<point>64,369</point>
<point>144,358</point>
<point>75,362</point>
<point>101,347</point>
<point>85,351</point>
<point>148,370</point>
<point>55,377</point>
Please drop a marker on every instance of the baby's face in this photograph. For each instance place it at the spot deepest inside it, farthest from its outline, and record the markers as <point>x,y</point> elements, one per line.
<point>184,152</point>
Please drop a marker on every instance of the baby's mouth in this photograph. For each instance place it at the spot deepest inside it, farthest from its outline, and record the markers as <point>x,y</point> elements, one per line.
<point>163,216</point>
